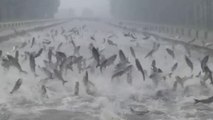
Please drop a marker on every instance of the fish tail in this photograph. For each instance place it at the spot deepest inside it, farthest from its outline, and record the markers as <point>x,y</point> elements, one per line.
<point>196,101</point>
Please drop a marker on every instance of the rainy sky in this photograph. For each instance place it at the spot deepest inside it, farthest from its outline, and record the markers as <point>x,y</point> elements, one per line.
<point>99,7</point>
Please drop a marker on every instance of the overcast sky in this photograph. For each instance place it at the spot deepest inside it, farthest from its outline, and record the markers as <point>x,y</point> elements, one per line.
<point>98,6</point>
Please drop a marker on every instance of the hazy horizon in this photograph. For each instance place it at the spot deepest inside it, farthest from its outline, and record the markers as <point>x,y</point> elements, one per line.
<point>100,7</point>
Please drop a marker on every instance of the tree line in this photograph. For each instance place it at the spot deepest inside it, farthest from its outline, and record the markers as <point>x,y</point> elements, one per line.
<point>12,10</point>
<point>189,13</point>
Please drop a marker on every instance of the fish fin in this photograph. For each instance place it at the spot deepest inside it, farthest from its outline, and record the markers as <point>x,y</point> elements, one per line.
<point>196,101</point>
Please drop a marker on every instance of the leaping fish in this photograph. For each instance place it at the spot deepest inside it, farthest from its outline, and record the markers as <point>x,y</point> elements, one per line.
<point>174,67</point>
<point>108,62</point>
<point>59,76</point>
<point>189,63</point>
<point>138,64</point>
<point>204,62</point>
<point>33,42</point>
<point>170,52</point>
<point>132,52</point>
<point>110,42</point>
<point>205,101</point>
<point>96,56</point>
<point>32,64</point>
<point>123,58</point>
<point>154,68</point>
<point>121,72</point>
<point>154,49</point>
<point>14,62</point>
<point>16,86</point>
<point>90,87</point>
<point>39,53</point>
<point>76,88</point>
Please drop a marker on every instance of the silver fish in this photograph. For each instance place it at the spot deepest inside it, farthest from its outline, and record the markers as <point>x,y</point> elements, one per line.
<point>59,76</point>
<point>208,73</point>
<point>132,52</point>
<point>121,72</point>
<point>66,63</point>
<point>76,88</point>
<point>180,81</point>
<point>46,42</point>
<point>16,86</point>
<point>92,38</point>
<point>1,53</point>
<point>205,101</point>
<point>154,49</point>
<point>123,58</point>
<point>32,64</point>
<point>50,53</point>
<point>47,72</point>
<point>174,67</point>
<point>112,43</point>
<point>44,90</point>
<point>13,62</point>
<point>120,66</point>
<point>189,63</point>
<point>33,42</point>
<point>204,62</point>
<point>60,56</point>
<point>170,52</point>
<point>59,46</point>
<point>154,68</point>
<point>108,62</point>
<point>96,56</point>
<point>198,75</point>
<point>150,53</point>
<point>138,65</point>
<point>139,112</point>
<point>133,36</point>
<point>90,87</point>
<point>129,77</point>
<point>39,53</point>
<point>17,55</point>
